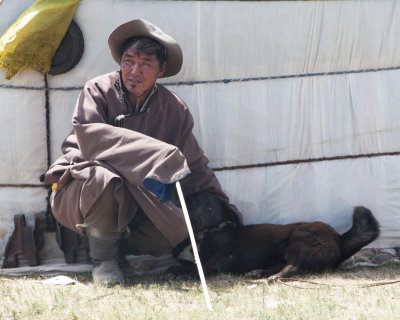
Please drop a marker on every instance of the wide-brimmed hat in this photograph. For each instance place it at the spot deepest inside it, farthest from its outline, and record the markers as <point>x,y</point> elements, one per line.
<point>141,27</point>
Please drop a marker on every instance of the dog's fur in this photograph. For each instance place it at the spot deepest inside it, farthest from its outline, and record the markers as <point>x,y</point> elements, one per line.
<point>266,250</point>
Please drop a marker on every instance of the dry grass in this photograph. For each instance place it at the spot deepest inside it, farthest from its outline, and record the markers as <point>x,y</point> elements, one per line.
<point>233,297</point>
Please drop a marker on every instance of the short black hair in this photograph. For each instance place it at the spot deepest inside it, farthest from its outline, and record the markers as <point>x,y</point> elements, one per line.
<point>146,45</point>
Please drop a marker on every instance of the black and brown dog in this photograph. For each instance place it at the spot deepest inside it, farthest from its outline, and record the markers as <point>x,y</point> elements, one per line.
<point>267,250</point>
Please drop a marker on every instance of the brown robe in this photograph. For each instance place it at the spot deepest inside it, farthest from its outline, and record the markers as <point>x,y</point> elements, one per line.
<point>154,148</point>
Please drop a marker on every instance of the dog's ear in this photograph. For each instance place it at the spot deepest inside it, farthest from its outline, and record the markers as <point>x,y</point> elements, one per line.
<point>230,213</point>
<point>208,210</point>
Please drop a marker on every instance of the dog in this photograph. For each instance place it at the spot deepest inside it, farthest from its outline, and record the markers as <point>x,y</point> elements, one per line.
<point>269,250</point>
<point>208,213</point>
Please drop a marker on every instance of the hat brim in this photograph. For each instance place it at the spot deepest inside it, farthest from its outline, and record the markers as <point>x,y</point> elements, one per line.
<point>141,27</point>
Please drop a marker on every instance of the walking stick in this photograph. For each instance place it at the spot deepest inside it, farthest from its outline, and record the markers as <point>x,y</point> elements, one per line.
<point>194,246</point>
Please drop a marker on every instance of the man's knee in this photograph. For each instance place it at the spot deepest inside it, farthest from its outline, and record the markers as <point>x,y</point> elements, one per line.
<point>103,215</point>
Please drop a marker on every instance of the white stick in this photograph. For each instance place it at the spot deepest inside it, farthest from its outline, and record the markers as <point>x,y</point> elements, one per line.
<point>194,245</point>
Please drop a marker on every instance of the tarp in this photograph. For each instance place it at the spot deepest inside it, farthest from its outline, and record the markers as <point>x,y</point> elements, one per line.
<point>32,40</point>
<point>304,81</point>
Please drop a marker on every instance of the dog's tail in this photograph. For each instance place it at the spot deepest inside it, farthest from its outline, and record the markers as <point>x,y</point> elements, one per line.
<point>364,230</point>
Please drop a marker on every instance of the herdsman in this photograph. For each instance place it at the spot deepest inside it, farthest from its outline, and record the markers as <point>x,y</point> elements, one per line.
<point>131,141</point>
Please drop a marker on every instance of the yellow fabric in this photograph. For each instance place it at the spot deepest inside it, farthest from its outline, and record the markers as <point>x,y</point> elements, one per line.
<point>32,40</point>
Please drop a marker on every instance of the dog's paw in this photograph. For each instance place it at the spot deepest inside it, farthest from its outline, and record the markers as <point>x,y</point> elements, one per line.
<point>273,279</point>
<point>167,276</point>
<point>178,273</point>
<point>175,276</point>
<point>186,277</point>
<point>255,274</point>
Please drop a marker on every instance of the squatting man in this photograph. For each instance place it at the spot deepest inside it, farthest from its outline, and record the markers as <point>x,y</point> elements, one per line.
<point>131,141</point>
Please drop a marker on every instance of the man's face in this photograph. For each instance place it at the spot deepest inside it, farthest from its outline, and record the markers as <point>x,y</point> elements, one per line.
<point>139,72</point>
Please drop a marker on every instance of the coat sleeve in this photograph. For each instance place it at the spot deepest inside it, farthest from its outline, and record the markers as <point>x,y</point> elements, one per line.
<point>138,158</point>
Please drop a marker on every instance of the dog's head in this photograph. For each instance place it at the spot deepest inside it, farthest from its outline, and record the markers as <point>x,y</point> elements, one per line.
<point>207,211</point>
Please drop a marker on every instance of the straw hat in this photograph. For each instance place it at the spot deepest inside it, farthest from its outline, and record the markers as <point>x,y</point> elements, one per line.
<point>141,27</point>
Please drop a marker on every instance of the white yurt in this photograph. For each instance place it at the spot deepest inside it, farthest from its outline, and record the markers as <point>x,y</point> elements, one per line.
<point>296,105</point>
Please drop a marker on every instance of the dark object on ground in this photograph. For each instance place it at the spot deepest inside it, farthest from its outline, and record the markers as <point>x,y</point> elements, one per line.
<point>25,241</point>
<point>276,251</point>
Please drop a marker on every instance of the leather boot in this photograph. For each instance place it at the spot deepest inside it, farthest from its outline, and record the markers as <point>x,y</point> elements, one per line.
<point>104,252</point>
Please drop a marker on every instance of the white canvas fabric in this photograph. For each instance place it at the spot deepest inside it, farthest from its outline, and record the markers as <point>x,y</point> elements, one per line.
<point>282,118</point>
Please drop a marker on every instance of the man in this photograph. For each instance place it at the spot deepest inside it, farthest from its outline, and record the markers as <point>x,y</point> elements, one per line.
<point>131,141</point>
